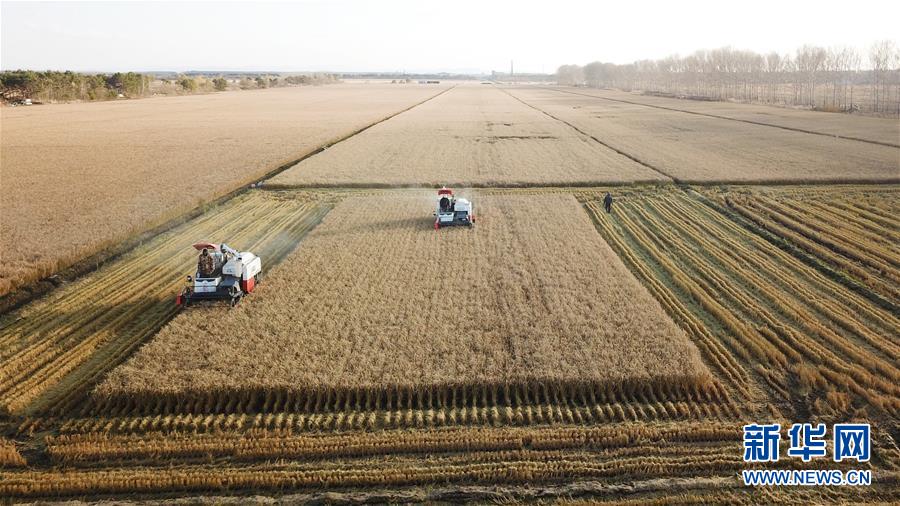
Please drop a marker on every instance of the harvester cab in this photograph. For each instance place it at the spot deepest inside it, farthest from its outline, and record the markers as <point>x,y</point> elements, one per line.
<point>452,210</point>
<point>223,273</point>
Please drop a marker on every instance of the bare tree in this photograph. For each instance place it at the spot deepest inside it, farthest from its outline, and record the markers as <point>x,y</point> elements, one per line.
<point>883,57</point>
<point>812,77</point>
<point>571,75</point>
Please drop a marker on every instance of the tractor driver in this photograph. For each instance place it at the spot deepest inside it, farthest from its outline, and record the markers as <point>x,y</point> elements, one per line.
<point>445,204</point>
<point>206,265</point>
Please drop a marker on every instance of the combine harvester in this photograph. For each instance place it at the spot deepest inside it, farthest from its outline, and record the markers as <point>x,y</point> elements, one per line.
<point>452,211</point>
<point>222,274</point>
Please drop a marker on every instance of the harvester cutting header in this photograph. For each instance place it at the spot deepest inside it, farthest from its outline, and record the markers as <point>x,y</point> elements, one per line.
<point>452,211</point>
<point>223,273</point>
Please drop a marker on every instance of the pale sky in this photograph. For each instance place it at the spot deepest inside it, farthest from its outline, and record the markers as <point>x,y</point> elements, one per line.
<point>416,36</point>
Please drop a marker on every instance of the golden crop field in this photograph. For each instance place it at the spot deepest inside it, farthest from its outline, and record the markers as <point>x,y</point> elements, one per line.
<point>471,135</point>
<point>79,332</point>
<point>818,344</point>
<point>553,351</point>
<point>75,176</point>
<point>693,148</point>
<point>871,129</point>
<point>388,303</point>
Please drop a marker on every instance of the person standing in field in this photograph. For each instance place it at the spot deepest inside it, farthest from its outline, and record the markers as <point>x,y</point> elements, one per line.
<point>607,202</point>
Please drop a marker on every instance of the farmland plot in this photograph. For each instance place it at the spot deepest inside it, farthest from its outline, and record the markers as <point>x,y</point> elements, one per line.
<point>854,231</point>
<point>867,128</point>
<point>759,313</point>
<point>472,135</point>
<point>378,308</point>
<point>693,148</point>
<point>55,349</point>
<point>82,177</point>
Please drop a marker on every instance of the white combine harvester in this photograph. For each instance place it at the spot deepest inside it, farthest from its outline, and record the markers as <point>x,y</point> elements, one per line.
<point>222,274</point>
<point>452,211</point>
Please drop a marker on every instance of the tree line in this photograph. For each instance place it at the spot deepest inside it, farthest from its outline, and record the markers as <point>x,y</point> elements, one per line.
<point>53,86</point>
<point>56,86</point>
<point>833,79</point>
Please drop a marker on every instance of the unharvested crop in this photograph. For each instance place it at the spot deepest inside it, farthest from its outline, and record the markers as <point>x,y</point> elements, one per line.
<point>704,149</point>
<point>82,177</point>
<point>83,329</point>
<point>866,128</point>
<point>471,135</point>
<point>376,307</point>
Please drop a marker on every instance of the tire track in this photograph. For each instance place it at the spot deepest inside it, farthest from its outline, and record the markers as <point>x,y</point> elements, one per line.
<point>595,139</point>
<point>728,118</point>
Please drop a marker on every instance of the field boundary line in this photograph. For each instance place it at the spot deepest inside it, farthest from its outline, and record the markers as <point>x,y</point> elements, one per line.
<point>595,139</point>
<point>36,289</point>
<point>718,116</point>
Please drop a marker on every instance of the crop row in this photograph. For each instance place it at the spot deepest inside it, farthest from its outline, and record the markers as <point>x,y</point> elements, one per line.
<point>509,397</point>
<point>842,232</point>
<point>84,329</point>
<point>520,467</point>
<point>406,418</point>
<point>794,329</point>
<point>9,455</point>
<point>285,444</point>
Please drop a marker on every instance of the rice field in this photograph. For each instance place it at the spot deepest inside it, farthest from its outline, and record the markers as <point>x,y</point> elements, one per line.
<point>469,136</point>
<point>694,148</point>
<point>75,177</point>
<point>554,351</point>
<point>388,304</point>
<point>82,330</point>
<point>869,129</point>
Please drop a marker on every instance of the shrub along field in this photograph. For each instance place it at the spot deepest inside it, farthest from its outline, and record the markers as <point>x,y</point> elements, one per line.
<point>703,149</point>
<point>471,135</point>
<point>78,178</point>
<point>375,300</point>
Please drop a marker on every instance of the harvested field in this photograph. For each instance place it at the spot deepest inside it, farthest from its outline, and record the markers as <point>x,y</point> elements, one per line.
<point>84,329</point>
<point>389,307</point>
<point>82,177</point>
<point>701,149</point>
<point>865,128</point>
<point>855,232</point>
<point>472,135</point>
<point>84,450</point>
<point>757,312</point>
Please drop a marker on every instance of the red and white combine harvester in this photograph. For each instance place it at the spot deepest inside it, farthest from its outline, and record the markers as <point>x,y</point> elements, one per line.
<point>452,211</point>
<point>222,274</point>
